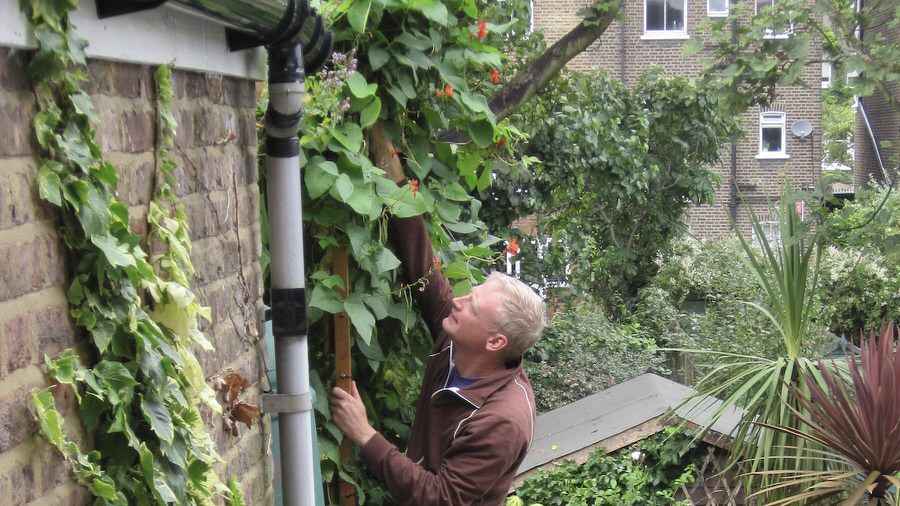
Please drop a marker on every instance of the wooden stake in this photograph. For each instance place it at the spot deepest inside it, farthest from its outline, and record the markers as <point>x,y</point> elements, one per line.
<point>343,366</point>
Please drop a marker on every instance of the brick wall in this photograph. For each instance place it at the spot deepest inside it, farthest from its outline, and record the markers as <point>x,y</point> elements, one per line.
<point>217,181</point>
<point>625,54</point>
<point>884,117</point>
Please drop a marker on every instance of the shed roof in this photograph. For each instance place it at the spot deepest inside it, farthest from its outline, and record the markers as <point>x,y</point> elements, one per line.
<point>617,409</point>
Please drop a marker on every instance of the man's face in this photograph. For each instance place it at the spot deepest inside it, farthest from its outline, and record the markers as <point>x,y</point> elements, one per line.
<point>473,319</point>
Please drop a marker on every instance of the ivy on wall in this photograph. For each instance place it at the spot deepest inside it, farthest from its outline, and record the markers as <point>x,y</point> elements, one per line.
<point>139,400</point>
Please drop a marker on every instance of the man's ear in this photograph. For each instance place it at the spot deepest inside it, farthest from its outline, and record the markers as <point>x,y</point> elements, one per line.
<point>497,342</point>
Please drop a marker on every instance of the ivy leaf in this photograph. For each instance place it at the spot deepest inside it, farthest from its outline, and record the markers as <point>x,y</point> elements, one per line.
<point>482,132</point>
<point>467,164</point>
<point>378,56</point>
<point>82,103</point>
<point>350,136</point>
<point>117,379</point>
<point>75,149</point>
<point>370,113</point>
<point>48,417</point>
<point>385,261</point>
<point>360,317</point>
<point>102,334</point>
<point>157,414</point>
<point>344,187</point>
<point>461,228</point>
<point>484,182</point>
<point>325,299</point>
<point>318,181</point>
<point>358,15</point>
<point>462,288</point>
<point>434,10</point>
<point>359,87</point>
<point>49,183</point>
<point>455,191</point>
<point>116,253</point>
<point>92,210</point>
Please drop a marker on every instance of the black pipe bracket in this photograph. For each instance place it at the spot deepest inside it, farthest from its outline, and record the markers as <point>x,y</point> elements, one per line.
<point>289,312</point>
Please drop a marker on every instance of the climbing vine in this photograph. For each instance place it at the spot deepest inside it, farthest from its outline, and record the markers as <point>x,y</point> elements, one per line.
<point>415,68</point>
<point>140,397</point>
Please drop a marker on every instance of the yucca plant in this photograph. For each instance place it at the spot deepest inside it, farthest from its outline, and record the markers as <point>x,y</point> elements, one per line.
<point>766,389</point>
<point>856,423</point>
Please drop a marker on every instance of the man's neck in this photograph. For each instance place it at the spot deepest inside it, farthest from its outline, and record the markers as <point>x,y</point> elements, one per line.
<point>474,366</point>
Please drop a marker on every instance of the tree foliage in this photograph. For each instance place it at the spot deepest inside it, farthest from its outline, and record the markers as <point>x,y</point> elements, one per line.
<point>618,169</point>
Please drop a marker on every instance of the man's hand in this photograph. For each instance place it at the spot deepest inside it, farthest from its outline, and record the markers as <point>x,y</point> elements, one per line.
<point>349,413</point>
<point>385,154</point>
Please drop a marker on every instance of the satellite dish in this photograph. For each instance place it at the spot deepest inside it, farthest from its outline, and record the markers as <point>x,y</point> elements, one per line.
<point>801,129</point>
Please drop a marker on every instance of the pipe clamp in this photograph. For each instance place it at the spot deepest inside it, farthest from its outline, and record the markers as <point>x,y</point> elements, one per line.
<point>286,403</point>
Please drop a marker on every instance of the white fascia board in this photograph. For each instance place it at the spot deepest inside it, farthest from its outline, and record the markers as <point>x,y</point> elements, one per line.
<point>156,36</point>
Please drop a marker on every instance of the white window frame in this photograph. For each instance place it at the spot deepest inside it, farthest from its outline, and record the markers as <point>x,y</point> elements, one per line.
<point>770,119</point>
<point>666,34</point>
<point>771,229</point>
<point>770,32</point>
<point>718,14</point>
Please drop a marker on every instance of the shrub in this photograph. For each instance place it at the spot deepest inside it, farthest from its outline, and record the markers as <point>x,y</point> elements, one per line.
<point>582,352</point>
<point>664,463</point>
<point>860,291</point>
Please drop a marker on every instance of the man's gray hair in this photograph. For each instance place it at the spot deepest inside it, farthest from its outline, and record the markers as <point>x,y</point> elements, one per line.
<point>522,316</point>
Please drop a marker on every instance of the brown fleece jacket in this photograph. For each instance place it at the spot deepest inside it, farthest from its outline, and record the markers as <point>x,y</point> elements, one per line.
<point>465,444</point>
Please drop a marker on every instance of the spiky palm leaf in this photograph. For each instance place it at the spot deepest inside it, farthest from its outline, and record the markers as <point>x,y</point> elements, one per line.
<point>765,389</point>
<point>856,422</point>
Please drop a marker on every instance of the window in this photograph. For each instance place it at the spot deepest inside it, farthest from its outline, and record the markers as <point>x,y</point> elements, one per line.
<point>771,135</point>
<point>826,74</point>
<point>772,232</point>
<point>665,19</point>
<point>774,32</point>
<point>717,8</point>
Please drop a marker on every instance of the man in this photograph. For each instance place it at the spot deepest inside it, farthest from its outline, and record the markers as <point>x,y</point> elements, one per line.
<point>475,414</point>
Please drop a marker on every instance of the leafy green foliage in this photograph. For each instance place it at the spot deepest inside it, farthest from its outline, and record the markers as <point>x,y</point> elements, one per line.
<point>581,353</point>
<point>665,462</point>
<point>417,68</point>
<point>141,397</point>
<point>619,168</point>
<point>767,389</point>
<point>838,120</point>
<point>750,59</point>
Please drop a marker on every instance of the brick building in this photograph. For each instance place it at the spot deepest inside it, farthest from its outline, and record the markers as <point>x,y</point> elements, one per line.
<point>215,106</point>
<point>883,117</point>
<point>753,171</point>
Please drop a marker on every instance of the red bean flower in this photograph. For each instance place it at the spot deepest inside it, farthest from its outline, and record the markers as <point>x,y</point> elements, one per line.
<point>448,90</point>
<point>482,29</point>
<point>495,76</point>
<point>512,246</point>
<point>414,186</point>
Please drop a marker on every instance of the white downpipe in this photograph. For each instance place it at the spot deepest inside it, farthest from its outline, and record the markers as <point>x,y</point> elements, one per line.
<point>291,351</point>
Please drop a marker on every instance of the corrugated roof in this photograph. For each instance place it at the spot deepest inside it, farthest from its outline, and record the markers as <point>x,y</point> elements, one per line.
<point>613,411</point>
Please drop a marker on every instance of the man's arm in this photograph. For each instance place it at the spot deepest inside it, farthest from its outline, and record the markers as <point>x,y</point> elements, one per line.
<point>412,243</point>
<point>472,467</point>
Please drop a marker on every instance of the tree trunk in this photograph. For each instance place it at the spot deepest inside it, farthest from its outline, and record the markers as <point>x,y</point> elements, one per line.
<point>531,79</point>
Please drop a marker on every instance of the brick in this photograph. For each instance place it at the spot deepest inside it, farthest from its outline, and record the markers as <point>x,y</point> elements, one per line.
<point>53,329</point>
<point>17,339</point>
<point>139,131</point>
<point>132,81</point>
<point>136,180</point>
<point>12,70</point>
<point>19,200</point>
<point>184,134</point>
<point>101,80</point>
<point>16,422</point>
<point>250,165</point>
<point>18,485</point>
<point>215,88</point>
<point>16,112</point>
